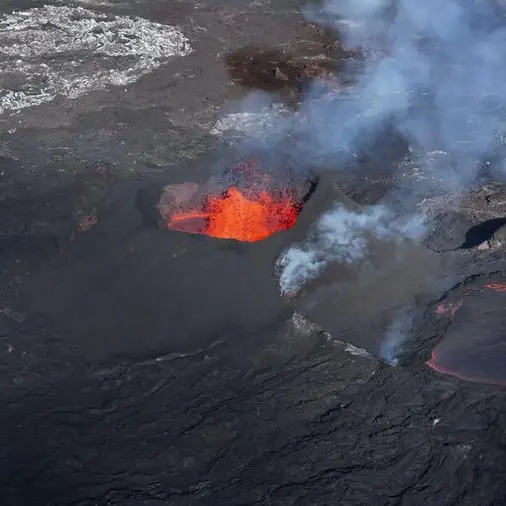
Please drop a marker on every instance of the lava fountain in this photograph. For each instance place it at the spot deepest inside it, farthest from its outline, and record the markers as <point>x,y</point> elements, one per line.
<point>249,207</point>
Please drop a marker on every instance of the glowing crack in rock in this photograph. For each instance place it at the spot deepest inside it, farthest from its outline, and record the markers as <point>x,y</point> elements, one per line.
<point>70,51</point>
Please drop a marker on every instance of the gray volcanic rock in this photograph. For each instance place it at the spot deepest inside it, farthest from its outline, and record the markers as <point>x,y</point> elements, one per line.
<point>129,287</point>
<point>356,270</point>
<point>357,302</point>
<point>141,367</point>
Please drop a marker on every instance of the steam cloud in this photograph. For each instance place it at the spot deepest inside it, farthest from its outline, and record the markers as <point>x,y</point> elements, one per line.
<point>434,72</point>
<point>438,79</point>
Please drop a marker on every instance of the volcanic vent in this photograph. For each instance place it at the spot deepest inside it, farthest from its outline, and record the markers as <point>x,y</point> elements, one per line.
<point>245,204</point>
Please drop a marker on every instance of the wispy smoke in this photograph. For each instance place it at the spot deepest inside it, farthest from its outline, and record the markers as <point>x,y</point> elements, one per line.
<point>434,71</point>
<point>340,235</point>
<point>395,337</point>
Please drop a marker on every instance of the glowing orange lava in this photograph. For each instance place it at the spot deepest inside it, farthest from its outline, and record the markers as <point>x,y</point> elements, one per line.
<point>497,287</point>
<point>247,217</point>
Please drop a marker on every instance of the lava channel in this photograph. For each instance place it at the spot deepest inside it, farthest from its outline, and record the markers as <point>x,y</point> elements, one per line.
<point>249,211</point>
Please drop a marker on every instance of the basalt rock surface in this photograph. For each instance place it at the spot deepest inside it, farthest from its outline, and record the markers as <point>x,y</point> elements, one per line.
<point>141,367</point>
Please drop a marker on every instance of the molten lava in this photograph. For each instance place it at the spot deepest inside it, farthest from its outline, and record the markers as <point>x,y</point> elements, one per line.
<point>245,216</point>
<point>497,287</point>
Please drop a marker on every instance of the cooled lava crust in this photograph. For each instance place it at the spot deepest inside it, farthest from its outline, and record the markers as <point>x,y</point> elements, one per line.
<point>471,324</point>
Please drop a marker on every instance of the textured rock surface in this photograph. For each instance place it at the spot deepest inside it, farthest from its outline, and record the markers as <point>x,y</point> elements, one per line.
<point>277,412</point>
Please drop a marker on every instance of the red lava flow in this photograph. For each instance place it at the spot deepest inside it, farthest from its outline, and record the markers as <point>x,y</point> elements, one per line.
<point>497,287</point>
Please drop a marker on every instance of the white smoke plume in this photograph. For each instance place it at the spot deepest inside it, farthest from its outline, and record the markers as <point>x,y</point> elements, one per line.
<point>340,236</point>
<point>396,335</point>
<point>433,70</point>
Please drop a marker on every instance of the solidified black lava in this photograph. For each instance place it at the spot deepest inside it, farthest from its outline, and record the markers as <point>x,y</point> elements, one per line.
<point>473,327</point>
<point>127,286</point>
<point>475,235</point>
<point>482,232</point>
<point>274,70</point>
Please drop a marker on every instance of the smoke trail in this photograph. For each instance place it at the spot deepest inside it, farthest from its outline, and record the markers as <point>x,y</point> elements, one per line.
<point>340,235</point>
<point>396,335</point>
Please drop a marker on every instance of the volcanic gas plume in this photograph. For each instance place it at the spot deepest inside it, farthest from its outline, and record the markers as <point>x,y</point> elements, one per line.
<point>249,209</point>
<point>434,80</point>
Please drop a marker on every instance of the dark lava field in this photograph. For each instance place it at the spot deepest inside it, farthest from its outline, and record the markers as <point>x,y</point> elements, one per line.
<point>141,366</point>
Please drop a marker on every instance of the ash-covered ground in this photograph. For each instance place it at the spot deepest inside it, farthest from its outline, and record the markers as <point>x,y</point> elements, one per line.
<point>142,367</point>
